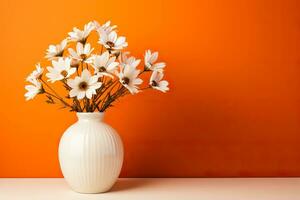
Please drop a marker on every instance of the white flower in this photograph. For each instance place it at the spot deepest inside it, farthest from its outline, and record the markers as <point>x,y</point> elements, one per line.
<point>104,65</point>
<point>82,52</point>
<point>107,28</point>
<point>125,60</point>
<point>157,83</point>
<point>33,90</point>
<point>150,59</point>
<point>84,86</point>
<point>111,41</point>
<point>54,51</point>
<point>129,78</point>
<point>79,35</point>
<point>36,74</point>
<point>61,69</point>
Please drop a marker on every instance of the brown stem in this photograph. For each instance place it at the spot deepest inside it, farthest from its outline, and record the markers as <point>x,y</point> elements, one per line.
<point>111,87</point>
<point>106,87</point>
<point>77,103</point>
<point>65,84</point>
<point>143,71</point>
<point>81,67</point>
<point>63,102</point>
<point>87,102</point>
<point>119,93</point>
<point>49,87</point>
<point>78,106</point>
<point>57,95</point>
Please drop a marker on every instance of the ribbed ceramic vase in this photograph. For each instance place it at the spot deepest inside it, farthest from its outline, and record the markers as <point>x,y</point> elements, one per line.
<point>90,154</point>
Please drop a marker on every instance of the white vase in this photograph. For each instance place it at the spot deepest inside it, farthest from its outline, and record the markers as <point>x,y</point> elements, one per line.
<point>90,154</point>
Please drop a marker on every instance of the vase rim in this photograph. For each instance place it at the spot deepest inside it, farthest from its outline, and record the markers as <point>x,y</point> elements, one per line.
<point>90,115</point>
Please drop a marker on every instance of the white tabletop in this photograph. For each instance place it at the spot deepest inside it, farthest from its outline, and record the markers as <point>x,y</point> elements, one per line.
<point>156,189</point>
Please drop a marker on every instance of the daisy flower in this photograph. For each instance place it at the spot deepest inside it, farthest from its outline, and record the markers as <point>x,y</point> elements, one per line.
<point>129,78</point>
<point>55,51</point>
<point>150,59</point>
<point>111,41</point>
<point>36,74</point>
<point>79,35</point>
<point>104,65</point>
<point>82,52</point>
<point>84,86</point>
<point>125,60</point>
<point>33,90</point>
<point>61,69</point>
<point>157,83</point>
<point>107,28</point>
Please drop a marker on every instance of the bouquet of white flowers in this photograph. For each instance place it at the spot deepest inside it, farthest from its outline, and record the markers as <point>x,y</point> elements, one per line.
<point>93,80</point>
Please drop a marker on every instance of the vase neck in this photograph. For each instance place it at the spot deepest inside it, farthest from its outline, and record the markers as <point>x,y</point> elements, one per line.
<point>88,116</point>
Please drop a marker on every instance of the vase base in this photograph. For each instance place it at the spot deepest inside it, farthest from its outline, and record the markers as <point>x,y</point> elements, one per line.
<point>90,191</point>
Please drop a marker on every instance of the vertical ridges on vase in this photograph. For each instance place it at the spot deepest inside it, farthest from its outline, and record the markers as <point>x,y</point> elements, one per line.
<point>91,155</point>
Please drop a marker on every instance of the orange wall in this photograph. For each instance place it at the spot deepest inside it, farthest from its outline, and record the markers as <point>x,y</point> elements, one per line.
<point>234,105</point>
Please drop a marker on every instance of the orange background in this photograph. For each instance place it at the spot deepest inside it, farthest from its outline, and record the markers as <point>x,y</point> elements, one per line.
<point>234,105</point>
